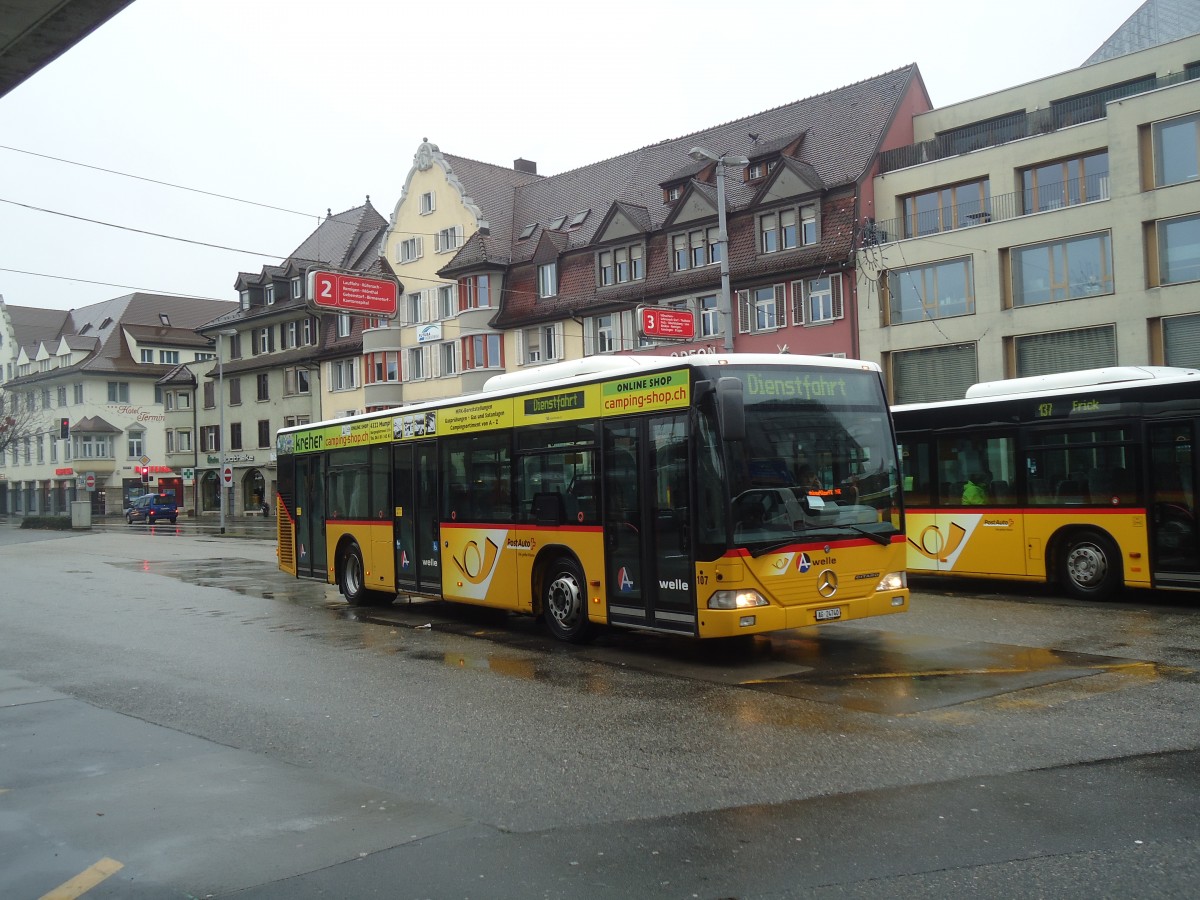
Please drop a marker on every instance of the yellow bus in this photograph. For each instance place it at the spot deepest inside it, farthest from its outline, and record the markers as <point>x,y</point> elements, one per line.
<point>1084,480</point>
<point>707,496</point>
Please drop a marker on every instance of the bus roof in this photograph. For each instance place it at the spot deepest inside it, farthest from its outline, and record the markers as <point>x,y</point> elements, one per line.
<point>1112,378</point>
<point>589,368</point>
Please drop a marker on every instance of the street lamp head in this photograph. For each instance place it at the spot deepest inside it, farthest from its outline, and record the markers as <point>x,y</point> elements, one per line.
<point>700,154</point>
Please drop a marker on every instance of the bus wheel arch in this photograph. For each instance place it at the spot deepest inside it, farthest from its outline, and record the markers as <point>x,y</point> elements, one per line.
<point>561,595</point>
<point>1087,564</point>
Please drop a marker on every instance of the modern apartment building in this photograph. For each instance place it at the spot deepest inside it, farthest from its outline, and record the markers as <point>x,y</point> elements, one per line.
<point>1050,226</point>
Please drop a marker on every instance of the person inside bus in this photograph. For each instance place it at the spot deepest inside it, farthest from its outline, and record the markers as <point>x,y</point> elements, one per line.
<point>975,489</point>
<point>807,479</point>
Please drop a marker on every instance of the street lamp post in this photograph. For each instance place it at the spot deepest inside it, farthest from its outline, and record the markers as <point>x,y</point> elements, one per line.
<point>726,309</point>
<point>221,492</point>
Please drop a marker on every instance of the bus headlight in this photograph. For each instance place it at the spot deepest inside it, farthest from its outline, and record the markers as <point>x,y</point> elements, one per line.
<point>893,581</point>
<point>736,600</point>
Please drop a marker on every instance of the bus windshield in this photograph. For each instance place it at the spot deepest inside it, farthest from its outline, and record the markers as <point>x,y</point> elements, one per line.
<point>818,460</point>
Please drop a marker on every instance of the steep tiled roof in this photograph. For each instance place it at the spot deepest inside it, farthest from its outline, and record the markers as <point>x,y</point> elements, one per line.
<point>344,240</point>
<point>32,325</point>
<point>842,129</point>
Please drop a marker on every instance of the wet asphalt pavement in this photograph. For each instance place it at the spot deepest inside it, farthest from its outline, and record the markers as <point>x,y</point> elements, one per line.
<point>178,718</point>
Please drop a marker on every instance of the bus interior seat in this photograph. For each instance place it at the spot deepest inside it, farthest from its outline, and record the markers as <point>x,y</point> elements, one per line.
<point>1071,491</point>
<point>999,491</point>
<point>548,508</point>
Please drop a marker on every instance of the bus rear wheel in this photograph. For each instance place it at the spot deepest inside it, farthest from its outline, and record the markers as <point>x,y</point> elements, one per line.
<point>564,601</point>
<point>1089,567</point>
<point>353,582</point>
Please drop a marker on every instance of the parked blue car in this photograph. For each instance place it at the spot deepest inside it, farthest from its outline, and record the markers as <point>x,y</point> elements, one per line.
<point>151,508</point>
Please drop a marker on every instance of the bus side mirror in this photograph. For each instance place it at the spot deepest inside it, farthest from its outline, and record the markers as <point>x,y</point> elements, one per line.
<point>731,408</point>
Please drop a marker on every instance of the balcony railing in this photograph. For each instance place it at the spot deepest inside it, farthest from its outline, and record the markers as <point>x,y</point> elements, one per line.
<point>1004,129</point>
<point>1056,195</point>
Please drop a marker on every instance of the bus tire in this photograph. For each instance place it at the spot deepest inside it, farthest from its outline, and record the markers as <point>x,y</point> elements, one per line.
<point>352,577</point>
<point>1090,566</point>
<point>564,601</point>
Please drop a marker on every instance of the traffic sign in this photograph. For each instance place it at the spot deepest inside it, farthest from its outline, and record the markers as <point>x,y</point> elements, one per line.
<point>667,322</point>
<point>227,476</point>
<point>90,481</point>
<point>354,293</point>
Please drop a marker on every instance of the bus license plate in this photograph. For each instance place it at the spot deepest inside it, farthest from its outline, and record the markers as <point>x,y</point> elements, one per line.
<point>828,615</point>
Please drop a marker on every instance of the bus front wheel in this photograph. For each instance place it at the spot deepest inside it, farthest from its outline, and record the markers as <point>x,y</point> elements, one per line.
<point>564,601</point>
<point>1090,568</point>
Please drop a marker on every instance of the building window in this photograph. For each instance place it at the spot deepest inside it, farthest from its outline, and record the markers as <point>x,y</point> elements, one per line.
<point>621,264</point>
<point>297,288</point>
<point>947,208</point>
<point>934,291</point>
<point>291,335</point>
<point>168,357</point>
<point>62,395</point>
<point>1065,182</point>
<point>293,421</point>
<point>343,325</point>
<point>483,351</point>
<point>787,229</point>
<point>235,347</point>
<point>1062,270</point>
<point>264,433</point>
<point>817,300</point>
<point>1181,341</point>
<point>118,392</point>
<point>1065,351</point>
<point>761,309</point>
<point>446,301</point>
<point>343,374</point>
<point>210,393</point>
<point>235,435</point>
<point>410,250</point>
<point>475,292</point>
<point>136,444</point>
<point>295,381</point>
<point>1178,249</point>
<point>448,239</point>
<point>235,391</point>
<point>696,248</point>
<point>264,386</point>
<point>541,344</point>
<point>547,280</point>
<point>415,368</point>
<point>210,439</point>
<point>183,440</point>
<point>710,315</point>
<point>383,367</point>
<point>448,357</point>
<point>77,389</point>
<point>266,340</point>
<point>88,446</point>
<point>146,356</point>
<point>929,374</point>
<point>308,332</point>
<point>604,334</point>
<point>1176,150</point>
<point>269,294</point>
<point>414,308</point>
<point>428,203</point>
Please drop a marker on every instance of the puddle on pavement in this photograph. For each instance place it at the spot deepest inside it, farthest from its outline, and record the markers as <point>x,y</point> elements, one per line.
<point>866,670</point>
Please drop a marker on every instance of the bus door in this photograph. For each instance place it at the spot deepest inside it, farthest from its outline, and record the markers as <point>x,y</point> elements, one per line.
<point>310,516</point>
<point>1174,537</point>
<point>648,565</point>
<point>414,474</point>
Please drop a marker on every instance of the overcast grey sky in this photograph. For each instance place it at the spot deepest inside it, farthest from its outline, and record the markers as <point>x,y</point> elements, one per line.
<point>310,106</point>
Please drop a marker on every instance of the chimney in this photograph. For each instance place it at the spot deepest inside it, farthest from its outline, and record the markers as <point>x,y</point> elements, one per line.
<point>525,165</point>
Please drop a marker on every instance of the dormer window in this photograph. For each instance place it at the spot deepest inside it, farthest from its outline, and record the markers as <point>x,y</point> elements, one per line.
<point>755,171</point>
<point>557,223</point>
<point>527,232</point>
<point>269,294</point>
<point>244,299</point>
<point>297,288</point>
<point>577,219</point>
<point>673,193</point>
<point>164,320</point>
<point>107,321</point>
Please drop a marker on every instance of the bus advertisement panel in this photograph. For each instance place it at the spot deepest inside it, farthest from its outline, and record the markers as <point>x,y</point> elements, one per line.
<point>733,495</point>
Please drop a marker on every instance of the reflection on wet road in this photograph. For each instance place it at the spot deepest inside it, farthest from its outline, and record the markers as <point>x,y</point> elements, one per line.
<point>854,668</point>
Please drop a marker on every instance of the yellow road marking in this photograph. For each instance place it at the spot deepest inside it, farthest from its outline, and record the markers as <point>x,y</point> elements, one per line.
<point>85,880</point>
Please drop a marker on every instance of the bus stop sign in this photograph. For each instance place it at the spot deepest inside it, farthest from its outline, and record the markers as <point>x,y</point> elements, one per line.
<point>354,293</point>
